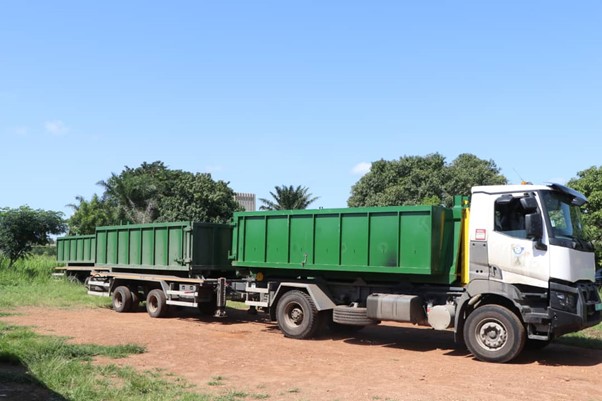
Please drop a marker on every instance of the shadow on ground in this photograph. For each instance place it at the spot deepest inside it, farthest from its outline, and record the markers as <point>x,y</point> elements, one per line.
<point>411,338</point>
<point>16,384</point>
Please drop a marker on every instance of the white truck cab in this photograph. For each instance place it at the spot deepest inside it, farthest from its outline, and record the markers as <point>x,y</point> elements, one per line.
<point>527,246</point>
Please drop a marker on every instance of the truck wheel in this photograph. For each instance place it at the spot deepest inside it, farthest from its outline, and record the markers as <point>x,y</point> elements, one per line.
<point>122,299</point>
<point>156,303</point>
<point>494,334</point>
<point>297,315</point>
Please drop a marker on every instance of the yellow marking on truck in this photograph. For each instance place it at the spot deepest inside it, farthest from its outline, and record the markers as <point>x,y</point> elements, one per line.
<point>465,278</point>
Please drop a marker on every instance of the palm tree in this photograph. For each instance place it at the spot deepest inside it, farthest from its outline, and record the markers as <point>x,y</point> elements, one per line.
<point>287,198</point>
<point>135,196</point>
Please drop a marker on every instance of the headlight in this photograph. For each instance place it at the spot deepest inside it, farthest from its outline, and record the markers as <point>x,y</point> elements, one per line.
<point>564,301</point>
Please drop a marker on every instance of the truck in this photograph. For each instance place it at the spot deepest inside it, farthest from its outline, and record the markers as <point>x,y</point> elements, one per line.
<point>506,268</point>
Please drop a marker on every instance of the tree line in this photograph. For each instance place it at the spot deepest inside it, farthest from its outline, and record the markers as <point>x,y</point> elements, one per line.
<point>153,192</point>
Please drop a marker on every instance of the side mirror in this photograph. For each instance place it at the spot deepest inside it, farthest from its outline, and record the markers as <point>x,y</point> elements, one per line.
<point>534,227</point>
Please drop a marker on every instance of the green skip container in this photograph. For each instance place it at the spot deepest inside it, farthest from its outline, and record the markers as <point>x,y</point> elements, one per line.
<point>412,243</point>
<point>178,247</point>
<point>76,250</point>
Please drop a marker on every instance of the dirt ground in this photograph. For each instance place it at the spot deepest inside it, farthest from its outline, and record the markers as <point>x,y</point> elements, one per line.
<point>385,362</point>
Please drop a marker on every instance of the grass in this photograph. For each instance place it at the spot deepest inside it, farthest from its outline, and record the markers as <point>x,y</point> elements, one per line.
<point>67,371</point>
<point>30,283</point>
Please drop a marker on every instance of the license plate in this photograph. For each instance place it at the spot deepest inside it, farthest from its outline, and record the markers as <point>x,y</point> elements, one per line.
<point>599,306</point>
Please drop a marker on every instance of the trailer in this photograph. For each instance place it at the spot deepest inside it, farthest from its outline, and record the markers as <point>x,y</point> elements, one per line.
<point>77,256</point>
<point>505,270</point>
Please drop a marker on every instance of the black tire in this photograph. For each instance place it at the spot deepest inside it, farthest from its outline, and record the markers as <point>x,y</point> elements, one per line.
<point>122,299</point>
<point>297,315</point>
<point>351,316</point>
<point>156,303</point>
<point>493,333</point>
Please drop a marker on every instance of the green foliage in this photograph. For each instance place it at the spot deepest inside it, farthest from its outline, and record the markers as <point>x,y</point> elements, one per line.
<point>44,250</point>
<point>136,191</point>
<point>89,214</point>
<point>23,228</point>
<point>466,171</point>
<point>197,197</point>
<point>288,198</point>
<point>589,182</point>
<point>427,180</point>
<point>29,283</point>
<point>153,192</point>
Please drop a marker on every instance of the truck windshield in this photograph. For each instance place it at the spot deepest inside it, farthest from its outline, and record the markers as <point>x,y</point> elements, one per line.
<point>565,221</point>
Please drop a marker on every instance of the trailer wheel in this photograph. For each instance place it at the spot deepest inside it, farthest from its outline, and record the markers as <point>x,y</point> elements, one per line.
<point>122,299</point>
<point>156,303</point>
<point>297,315</point>
<point>494,334</point>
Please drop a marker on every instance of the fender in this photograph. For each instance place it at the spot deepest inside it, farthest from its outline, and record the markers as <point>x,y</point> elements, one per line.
<point>478,288</point>
<point>318,296</point>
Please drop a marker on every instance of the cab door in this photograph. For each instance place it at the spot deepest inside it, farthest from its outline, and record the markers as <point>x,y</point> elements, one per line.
<point>514,255</point>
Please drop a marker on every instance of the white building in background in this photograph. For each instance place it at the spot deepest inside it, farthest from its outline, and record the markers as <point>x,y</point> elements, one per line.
<point>245,200</point>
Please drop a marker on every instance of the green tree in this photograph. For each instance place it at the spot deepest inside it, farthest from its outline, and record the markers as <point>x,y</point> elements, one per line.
<point>288,198</point>
<point>153,192</point>
<point>427,180</point>
<point>466,171</point>
<point>197,197</point>
<point>22,228</point>
<point>410,180</point>
<point>589,182</point>
<point>90,214</point>
<point>137,191</point>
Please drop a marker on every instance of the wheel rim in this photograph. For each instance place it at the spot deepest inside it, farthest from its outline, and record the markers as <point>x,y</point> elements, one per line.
<point>118,300</point>
<point>492,334</point>
<point>294,314</point>
<point>153,304</point>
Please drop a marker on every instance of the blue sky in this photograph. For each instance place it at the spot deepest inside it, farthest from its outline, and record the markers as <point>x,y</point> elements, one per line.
<point>265,93</point>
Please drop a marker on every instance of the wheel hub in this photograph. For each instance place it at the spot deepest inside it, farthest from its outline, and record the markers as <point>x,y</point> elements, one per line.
<point>492,335</point>
<point>296,315</point>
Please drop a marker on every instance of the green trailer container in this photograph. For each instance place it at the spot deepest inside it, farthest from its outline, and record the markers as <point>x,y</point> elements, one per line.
<point>76,250</point>
<point>177,247</point>
<point>414,243</point>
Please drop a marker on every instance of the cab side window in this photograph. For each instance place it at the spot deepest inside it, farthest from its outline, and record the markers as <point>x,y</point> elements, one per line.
<point>510,217</point>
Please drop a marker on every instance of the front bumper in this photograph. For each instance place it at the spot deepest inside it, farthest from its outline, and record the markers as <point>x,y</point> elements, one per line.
<point>573,307</point>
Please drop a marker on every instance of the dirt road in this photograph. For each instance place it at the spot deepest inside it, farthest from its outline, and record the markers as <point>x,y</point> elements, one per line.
<point>386,362</point>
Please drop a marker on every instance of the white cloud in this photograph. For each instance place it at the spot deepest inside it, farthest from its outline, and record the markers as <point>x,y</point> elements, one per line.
<point>56,127</point>
<point>361,168</point>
